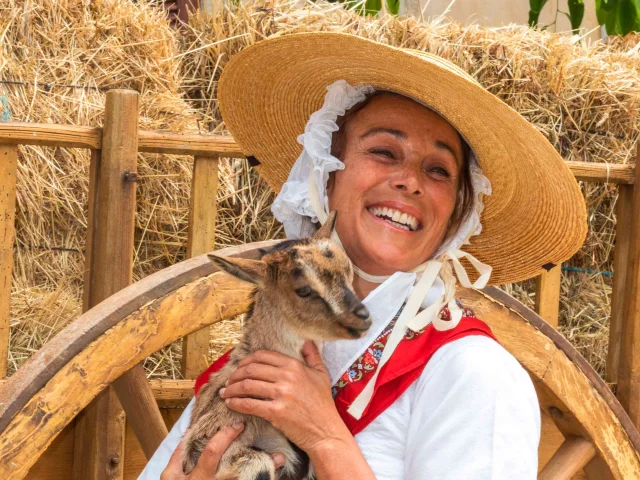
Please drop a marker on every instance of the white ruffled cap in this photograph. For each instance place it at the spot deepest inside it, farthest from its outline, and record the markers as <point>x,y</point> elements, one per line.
<point>292,206</point>
<point>303,201</point>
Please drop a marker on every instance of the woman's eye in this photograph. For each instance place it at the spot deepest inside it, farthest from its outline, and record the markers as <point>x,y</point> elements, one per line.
<point>440,171</point>
<point>383,152</point>
<point>304,291</point>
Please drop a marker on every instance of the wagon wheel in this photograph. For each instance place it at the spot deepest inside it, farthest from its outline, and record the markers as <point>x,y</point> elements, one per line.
<point>64,376</point>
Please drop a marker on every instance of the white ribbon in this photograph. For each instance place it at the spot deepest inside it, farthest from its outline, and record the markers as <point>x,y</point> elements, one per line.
<point>410,318</point>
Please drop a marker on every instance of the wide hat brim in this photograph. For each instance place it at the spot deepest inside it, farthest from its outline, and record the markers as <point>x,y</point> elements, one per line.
<point>536,215</point>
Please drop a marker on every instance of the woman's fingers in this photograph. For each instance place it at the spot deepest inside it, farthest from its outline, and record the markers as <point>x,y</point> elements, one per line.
<point>256,371</point>
<point>173,470</point>
<point>312,356</point>
<point>210,457</point>
<point>250,388</point>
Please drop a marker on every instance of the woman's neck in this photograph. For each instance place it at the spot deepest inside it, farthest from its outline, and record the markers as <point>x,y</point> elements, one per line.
<point>363,287</point>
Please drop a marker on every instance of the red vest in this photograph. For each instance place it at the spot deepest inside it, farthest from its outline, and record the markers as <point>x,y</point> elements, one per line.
<point>401,370</point>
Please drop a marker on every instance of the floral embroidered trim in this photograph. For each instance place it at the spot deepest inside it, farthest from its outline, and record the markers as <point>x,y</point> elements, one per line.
<point>365,366</point>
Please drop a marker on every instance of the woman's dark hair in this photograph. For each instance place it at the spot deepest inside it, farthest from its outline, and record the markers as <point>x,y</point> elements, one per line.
<point>464,205</point>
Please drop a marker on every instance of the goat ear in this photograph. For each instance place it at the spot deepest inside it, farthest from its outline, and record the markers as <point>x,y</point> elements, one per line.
<point>327,229</point>
<point>252,271</point>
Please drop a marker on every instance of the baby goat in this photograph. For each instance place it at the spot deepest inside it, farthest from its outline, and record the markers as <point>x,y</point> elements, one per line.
<point>303,291</point>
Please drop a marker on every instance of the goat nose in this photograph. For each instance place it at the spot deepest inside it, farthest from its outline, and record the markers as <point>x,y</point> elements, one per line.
<point>361,312</point>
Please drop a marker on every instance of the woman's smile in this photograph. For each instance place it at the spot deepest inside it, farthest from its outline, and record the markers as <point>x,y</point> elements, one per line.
<point>397,216</point>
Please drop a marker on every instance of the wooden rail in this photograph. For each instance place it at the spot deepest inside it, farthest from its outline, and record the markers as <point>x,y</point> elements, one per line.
<point>91,137</point>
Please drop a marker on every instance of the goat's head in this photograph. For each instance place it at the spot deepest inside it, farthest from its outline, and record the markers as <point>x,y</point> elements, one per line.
<point>310,281</point>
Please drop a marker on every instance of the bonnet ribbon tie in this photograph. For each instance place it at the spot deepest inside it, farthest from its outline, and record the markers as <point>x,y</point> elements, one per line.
<point>410,318</point>
<point>427,273</point>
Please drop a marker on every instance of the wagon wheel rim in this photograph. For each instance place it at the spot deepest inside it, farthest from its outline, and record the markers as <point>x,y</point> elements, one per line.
<point>65,375</point>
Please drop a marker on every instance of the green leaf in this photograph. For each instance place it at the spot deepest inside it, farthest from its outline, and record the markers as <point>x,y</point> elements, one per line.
<point>576,14</point>
<point>535,7</point>
<point>628,17</point>
<point>373,6</point>
<point>619,16</point>
<point>393,6</point>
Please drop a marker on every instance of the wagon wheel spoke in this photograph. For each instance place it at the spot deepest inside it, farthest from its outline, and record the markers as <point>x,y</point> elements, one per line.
<point>572,456</point>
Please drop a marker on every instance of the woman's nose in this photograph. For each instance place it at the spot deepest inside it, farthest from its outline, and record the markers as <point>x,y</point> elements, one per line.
<point>408,181</point>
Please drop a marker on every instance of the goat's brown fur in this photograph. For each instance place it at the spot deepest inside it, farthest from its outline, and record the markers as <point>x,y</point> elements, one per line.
<point>303,291</point>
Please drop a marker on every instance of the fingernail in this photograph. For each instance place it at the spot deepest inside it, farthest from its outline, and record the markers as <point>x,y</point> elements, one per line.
<point>222,391</point>
<point>238,425</point>
<point>226,401</point>
<point>226,384</point>
<point>278,459</point>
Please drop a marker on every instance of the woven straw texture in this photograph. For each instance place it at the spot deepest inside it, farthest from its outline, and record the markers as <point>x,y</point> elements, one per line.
<point>536,214</point>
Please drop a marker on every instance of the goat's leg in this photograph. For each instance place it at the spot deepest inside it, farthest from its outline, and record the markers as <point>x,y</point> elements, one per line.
<point>197,437</point>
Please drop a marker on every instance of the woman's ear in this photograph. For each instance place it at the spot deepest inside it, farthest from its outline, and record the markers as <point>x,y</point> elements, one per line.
<point>330,183</point>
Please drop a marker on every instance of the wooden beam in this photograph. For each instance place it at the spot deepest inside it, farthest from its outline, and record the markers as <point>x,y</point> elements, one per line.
<point>172,393</point>
<point>205,145</point>
<point>50,135</point>
<point>8,173</point>
<point>201,239</point>
<point>99,436</point>
<point>602,172</point>
<point>547,299</point>
<point>620,262</point>
<point>98,448</point>
<point>141,408</point>
<point>628,389</point>
<point>572,456</point>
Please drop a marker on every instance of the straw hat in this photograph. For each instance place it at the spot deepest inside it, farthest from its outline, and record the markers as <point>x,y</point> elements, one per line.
<point>534,218</point>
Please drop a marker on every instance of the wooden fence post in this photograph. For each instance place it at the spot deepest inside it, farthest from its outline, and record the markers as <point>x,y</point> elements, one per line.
<point>8,171</point>
<point>99,436</point>
<point>628,389</point>
<point>201,239</point>
<point>547,299</point>
<point>620,262</point>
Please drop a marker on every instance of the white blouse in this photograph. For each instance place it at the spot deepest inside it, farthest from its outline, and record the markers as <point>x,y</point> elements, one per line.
<point>472,414</point>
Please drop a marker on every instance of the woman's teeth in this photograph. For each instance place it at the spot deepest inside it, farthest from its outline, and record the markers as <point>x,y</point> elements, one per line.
<point>396,218</point>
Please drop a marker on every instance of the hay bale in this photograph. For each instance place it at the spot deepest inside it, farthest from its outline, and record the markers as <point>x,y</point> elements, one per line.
<point>93,46</point>
<point>584,97</point>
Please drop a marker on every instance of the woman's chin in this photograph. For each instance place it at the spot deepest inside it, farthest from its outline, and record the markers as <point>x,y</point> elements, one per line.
<point>387,259</point>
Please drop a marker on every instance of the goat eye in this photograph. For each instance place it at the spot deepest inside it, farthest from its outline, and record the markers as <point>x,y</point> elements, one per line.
<point>304,291</point>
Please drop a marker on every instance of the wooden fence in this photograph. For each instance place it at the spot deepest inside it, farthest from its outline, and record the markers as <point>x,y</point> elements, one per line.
<point>109,260</point>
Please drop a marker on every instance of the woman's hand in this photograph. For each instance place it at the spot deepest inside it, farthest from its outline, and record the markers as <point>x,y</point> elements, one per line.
<point>294,397</point>
<point>208,461</point>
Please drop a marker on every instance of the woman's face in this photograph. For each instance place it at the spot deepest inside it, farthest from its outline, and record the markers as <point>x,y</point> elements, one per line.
<point>399,185</point>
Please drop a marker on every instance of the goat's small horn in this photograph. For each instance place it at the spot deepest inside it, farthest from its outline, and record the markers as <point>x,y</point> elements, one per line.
<point>326,230</point>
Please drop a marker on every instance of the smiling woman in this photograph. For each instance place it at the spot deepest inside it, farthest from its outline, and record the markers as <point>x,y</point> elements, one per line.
<point>419,162</point>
